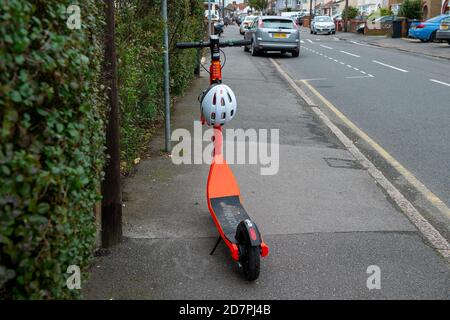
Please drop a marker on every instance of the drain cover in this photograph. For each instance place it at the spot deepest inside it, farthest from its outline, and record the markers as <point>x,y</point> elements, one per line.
<point>343,163</point>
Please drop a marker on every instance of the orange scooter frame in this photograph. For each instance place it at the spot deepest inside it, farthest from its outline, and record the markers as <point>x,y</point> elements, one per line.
<point>236,229</point>
<point>224,202</point>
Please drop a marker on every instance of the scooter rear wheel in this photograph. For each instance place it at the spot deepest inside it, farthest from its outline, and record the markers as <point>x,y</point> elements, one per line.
<point>251,262</point>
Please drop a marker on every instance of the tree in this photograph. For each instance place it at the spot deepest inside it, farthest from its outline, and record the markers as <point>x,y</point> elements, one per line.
<point>411,9</point>
<point>351,13</point>
<point>260,5</point>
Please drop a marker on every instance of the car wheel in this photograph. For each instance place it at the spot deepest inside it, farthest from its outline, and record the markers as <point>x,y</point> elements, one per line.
<point>311,31</point>
<point>295,53</point>
<point>448,41</point>
<point>315,32</point>
<point>254,51</point>
<point>334,32</point>
<point>246,49</point>
<point>432,36</point>
<point>423,40</point>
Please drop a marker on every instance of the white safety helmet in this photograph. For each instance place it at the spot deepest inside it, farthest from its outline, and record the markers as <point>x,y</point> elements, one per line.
<point>218,105</point>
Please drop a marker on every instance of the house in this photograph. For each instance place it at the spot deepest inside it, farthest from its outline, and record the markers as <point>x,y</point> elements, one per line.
<point>430,8</point>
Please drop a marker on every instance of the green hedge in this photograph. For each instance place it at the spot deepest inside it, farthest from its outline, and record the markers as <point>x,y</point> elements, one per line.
<point>139,41</point>
<point>52,132</point>
<point>51,144</point>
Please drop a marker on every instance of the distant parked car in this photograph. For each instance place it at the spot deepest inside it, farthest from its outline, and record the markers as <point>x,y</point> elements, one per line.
<point>246,23</point>
<point>383,20</point>
<point>444,30</point>
<point>426,31</point>
<point>272,33</point>
<point>323,24</point>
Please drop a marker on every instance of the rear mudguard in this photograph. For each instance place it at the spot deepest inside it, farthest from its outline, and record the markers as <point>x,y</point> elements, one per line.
<point>247,233</point>
<point>251,236</point>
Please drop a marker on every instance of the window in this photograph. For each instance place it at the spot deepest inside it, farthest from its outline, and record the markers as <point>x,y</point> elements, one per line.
<point>278,24</point>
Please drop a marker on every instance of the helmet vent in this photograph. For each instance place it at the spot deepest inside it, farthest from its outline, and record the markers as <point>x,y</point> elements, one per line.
<point>223,115</point>
<point>232,112</point>
<point>214,99</point>
<point>213,115</point>
<point>229,97</point>
<point>222,102</point>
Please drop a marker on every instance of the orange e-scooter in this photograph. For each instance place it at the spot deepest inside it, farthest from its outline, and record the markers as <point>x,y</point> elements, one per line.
<point>236,229</point>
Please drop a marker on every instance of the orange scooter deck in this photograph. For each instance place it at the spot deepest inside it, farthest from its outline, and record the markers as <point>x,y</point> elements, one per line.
<point>224,198</point>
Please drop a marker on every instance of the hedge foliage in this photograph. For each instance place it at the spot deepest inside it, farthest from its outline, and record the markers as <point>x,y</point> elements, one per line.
<point>52,115</point>
<point>140,51</point>
<point>51,144</point>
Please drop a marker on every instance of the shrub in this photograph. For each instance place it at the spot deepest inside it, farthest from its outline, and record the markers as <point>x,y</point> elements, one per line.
<point>51,145</point>
<point>351,13</point>
<point>411,9</point>
<point>141,90</point>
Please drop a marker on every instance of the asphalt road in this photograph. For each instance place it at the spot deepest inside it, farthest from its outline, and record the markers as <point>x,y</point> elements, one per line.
<point>324,218</point>
<point>400,100</point>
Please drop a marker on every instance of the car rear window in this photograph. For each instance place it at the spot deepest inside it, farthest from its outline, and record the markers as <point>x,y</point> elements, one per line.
<point>278,24</point>
<point>324,19</point>
<point>435,19</point>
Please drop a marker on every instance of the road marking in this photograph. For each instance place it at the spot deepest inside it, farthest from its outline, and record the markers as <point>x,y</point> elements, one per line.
<point>363,72</point>
<point>301,41</point>
<point>430,233</point>
<point>360,44</point>
<point>341,62</point>
<point>350,54</point>
<point>358,77</point>
<point>326,47</point>
<point>349,66</point>
<point>356,69</point>
<point>440,82</point>
<point>309,40</point>
<point>389,66</point>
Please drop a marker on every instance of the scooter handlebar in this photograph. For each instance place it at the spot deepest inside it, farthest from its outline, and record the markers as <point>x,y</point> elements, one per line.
<point>201,44</point>
<point>187,45</point>
<point>235,43</point>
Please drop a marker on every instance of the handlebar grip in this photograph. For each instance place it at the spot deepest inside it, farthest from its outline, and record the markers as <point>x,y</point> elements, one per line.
<point>235,43</point>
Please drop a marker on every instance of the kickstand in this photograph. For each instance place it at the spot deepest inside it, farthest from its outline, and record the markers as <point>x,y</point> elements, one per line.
<point>215,247</point>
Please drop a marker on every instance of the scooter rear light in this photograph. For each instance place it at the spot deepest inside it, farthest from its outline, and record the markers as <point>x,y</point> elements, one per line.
<point>420,26</point>
<point>252,234</point>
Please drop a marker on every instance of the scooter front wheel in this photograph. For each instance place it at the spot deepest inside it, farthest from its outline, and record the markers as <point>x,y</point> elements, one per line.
<point>250,262</point>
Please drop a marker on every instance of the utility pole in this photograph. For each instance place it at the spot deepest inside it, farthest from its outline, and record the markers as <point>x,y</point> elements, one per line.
<point>310,9</point>
<point>166,77</point>
<point>111,191</point>
<point>346,16</point>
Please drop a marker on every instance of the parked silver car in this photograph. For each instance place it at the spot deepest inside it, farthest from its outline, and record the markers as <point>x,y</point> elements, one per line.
<point>272,33</point>
<point>444,30</point>
<point>323,24</point>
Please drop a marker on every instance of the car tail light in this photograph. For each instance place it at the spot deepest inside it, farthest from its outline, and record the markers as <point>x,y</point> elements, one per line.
<point>420,26</point>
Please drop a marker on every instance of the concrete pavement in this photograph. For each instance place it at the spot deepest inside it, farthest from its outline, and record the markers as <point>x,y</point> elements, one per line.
<point>325,220</point>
